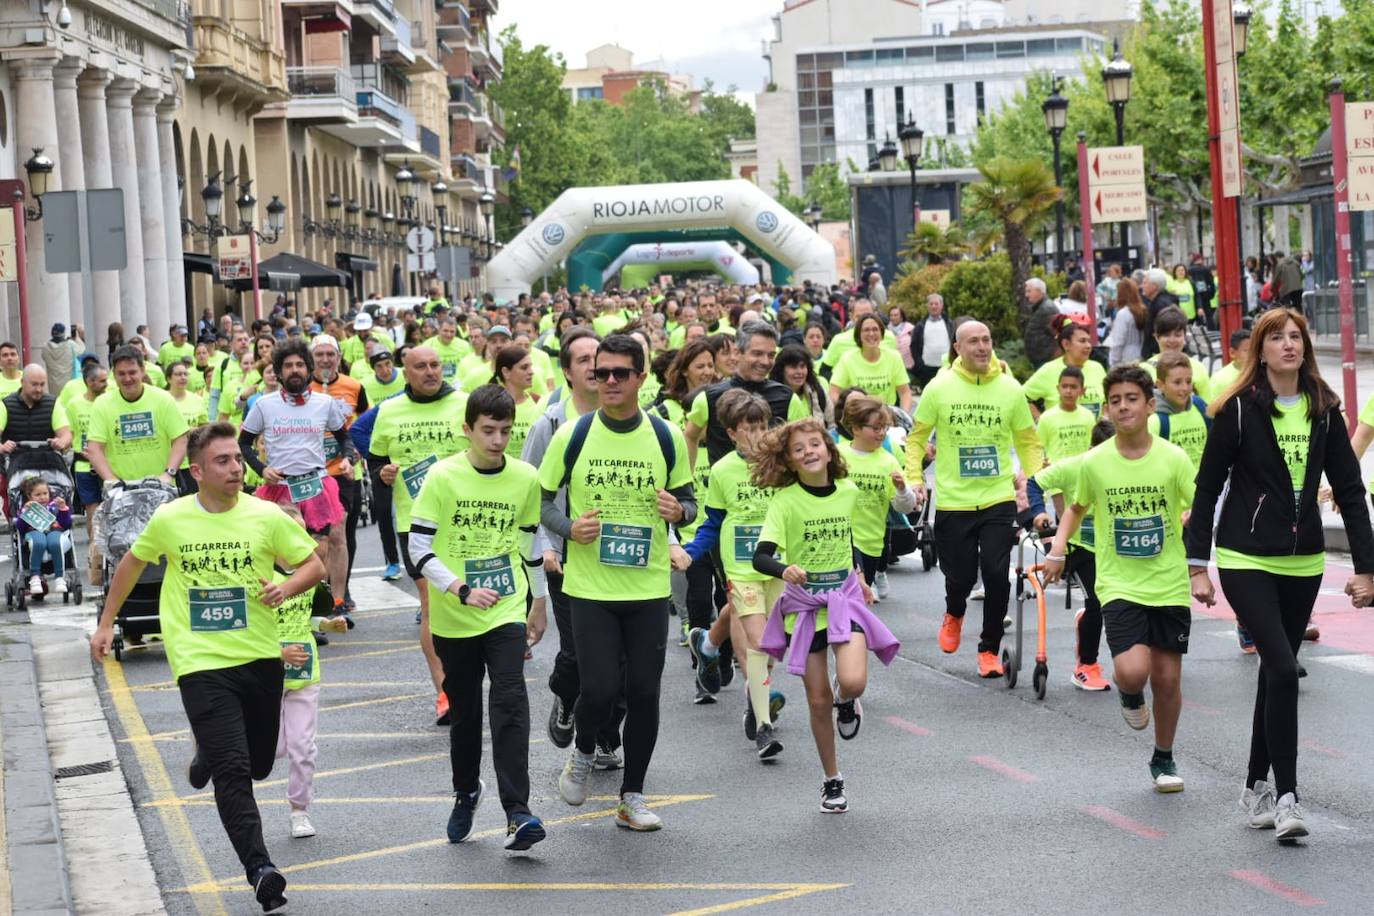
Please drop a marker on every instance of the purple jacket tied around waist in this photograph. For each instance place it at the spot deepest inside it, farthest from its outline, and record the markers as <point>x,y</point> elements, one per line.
<point>845,607</point>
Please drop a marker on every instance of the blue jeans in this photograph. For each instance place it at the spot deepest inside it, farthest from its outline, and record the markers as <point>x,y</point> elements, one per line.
<point>40,542</point>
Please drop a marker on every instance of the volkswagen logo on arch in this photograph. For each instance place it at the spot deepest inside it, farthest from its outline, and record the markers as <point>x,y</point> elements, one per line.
<point>554,234</point>
<point>767,221</point>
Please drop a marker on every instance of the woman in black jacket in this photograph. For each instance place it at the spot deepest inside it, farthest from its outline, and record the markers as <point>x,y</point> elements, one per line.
<point>1274,434</point>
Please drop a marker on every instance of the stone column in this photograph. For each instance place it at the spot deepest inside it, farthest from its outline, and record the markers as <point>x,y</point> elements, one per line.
<point>73,169</point>
<point>152,216</point>
<point>95,136</point>
<point>36,126</point>
<point>171,219</point>
<point>133,291</point>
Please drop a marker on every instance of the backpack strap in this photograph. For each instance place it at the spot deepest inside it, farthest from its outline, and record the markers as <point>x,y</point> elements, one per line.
<point>662,431</point>
<point>1163,424</point>
<point>1201,407</point>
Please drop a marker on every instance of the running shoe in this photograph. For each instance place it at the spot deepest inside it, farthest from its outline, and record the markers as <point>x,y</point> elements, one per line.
<point>832,797</point>
<point>36,586</point>
<point>727,664</point>
<point>703,698</point>
<point>59,585</point>
<point>849,714</point>
<point>197,773</point>
<point>269,887</point>
<point>950,631</point>
<point>708,666</point>
<point>1259,804</point>
<point>465,805</point>
<point>751,722</point>
<point>606,757</point>
<point>301,825</point>
<point>392,572</point>
<point>441,709</point>
<point>1312,634</point>
<point>776,701</point>
<point>1089,677</point>
<point>572,782</point>
<point>978,594</point>
<point>767,743</point>
<point>560,723</point>
<point>988,665</point>
<point>523,831</point>
<point>633,813</point>
<point>321,639</point>
<point>880,587</point>
<point>1288,819</point>
<point>1134,710</point>
<point>1247,645</point>
<point>682,640</point>
<point>1165,776</point>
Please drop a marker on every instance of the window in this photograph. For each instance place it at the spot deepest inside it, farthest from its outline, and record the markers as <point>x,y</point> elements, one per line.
<point>978,95</point>
<point>1069,44</point>
<point>870,130</point>
<point>590,92</point>
<point>920,54</point>
<point>807,116</point>
<point>808,80</point>
<point>900,95</point>
<point>1040,47</point>
<point>1011,49</point>
<point>978,51</point>
<point>806,61</point>
<point>859,59</point>
<point>890,56</point>
<point>949,53</point>
<point>949,109</point>
<point>937,28</point>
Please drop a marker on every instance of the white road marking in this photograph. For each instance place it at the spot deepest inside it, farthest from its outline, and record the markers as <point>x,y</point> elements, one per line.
<point>372,594</point>
<point>1362,664</point>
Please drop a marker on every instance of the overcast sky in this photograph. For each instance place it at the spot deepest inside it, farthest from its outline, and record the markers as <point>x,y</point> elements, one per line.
<point>710,39</point>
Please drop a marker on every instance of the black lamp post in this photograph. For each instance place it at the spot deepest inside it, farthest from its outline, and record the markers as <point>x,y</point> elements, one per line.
<point>212,195</point>
<point>913,141</point>
<point>1056,109</point>
<point>1116,78</point>
<point>440,192</point>
<point>405,183</point>
<point>39,169</point>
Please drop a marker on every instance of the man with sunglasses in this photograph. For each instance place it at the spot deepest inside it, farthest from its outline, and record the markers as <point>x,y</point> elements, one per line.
<point>628,477</point>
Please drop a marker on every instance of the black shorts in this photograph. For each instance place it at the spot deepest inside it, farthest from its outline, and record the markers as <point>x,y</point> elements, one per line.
<point>404,538</point>
<point>1129,624</point>
<point>820,641</point>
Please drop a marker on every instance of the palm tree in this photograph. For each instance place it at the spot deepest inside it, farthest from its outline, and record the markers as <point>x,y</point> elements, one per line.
<point>935,245</point>
<point>1020,195</point>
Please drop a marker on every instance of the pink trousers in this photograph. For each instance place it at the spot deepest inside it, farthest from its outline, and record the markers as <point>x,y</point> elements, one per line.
<point>300,714</point>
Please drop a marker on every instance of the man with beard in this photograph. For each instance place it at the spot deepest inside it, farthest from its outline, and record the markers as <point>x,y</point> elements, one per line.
<point>293,423</point>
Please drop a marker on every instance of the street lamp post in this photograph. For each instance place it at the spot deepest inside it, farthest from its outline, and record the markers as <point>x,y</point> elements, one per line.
<point>1056,109</point>
<point>913,140</point>
<point>887,161</point>
<point>440,191</point>
<point>1116,78</point>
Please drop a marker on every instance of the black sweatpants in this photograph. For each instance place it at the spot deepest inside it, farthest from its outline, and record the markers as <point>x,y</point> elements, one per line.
<point>386,522</point>
<point>1083,563</point>
<point>1275,610</point>
<point>351,495</point>
<point>500,655</point>
<point>607,632</point>
<point>705,596</point>
<point>235,714</point>
<point>563,679</point>
<point>969,541</point>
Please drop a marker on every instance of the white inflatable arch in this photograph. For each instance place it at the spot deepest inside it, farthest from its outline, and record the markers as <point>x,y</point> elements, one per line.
<point>580,212</point>
<point>722,255</point>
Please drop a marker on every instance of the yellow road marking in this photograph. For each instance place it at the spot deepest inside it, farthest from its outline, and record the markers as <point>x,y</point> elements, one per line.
<point>435,735</point>
<point>374,702</point>
<point>197,802</point>
<point>336,659</point>
<point>170,686</point>
<point>791,893</point>
<point>322,774</point>
<point>187,851</point>
<point>666,801</point>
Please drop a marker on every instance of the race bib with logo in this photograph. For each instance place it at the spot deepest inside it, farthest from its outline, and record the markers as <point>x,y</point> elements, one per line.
<point>625,545</point>
<point>746,541</point>
<point>303,672</point>
<point>450,370</point>
<point>494,573</point>
<point>819,582</point>
<point>979,461</point>
<point>138,425</point>
<point>331,447</point>
<point>414,476</point>
<point>216,610</point>
<point>1086,532</point>
<point>37,516</point>
<point>1141,538</point>
<point>304,486</point>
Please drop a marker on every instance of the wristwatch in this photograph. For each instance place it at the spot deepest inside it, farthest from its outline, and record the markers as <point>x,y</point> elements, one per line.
<point>463,591</point>
<point>172,472</point>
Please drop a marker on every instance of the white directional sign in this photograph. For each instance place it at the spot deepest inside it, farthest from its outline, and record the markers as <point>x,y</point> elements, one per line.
<point>420,240</point>
<point>1232,175</point>
<point>1116,184</point>
<point>1359,151</point>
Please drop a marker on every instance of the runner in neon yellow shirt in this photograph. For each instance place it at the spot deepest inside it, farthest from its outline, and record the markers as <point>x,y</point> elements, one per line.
<point>136,430</point>
<point>878,371</point>
<point>1138,488</point>
<point>1228,374</point>
<point>882,486</point>
<point>1077,344</point>
<point>1181,416</point>
<point>1065,428</point>
<point>450,347</point>
<point>1172,335</point>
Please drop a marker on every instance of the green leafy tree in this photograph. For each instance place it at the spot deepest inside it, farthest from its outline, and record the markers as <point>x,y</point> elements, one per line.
<point>929,244</point>
<point>1019,194</point>
<point>828,189</point>
<point>726,116</point>
<point>782,192</point>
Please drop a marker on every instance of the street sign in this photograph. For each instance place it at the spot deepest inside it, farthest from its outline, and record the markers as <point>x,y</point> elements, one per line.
<point>1228,98</point>
<point>9,269</point>
<point>1232,173</point>
<point>1116,184</point>
<point>1124,203</point>
<point>1359,150</point>
<point>235,257</point>
<point>420,240</point>
<point>939,217</point>
<point>423,263</point>
<point>1223,24</point>
<point>103,231</point>
<point>453,263</point>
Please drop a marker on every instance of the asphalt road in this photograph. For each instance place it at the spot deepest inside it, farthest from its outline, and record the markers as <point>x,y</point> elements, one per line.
<point>964,796</point>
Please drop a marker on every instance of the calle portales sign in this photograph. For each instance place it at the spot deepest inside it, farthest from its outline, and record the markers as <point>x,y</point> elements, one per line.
<point>735,204</point>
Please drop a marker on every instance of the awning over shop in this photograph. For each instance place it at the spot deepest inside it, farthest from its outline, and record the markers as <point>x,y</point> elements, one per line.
<point>354,263</point>
<point>193,262</point>
<point>278,271</point>
<point>1301,196</point>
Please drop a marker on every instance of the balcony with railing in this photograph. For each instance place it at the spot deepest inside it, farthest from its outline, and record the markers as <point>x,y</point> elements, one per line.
<point>380,14</point>
<point>462,101</point>
<point>422,43</point>
<point>453,24</point>
<point>231,58</point>
<point>382,121</point>
<point>323,94</point>
<point>399,48</point>
<point>469,177</point>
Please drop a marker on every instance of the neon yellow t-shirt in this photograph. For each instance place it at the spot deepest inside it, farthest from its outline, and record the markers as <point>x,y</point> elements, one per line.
<point>880,379</point>
<point>974,423</point>
<point>79,419</point>
<point>1044,384</point>
<point>211,611</point>
<point>814,532</point>
<point>609,323</point>
<point>450,354</point>
<point>1202,382</point>
<point>843,343</point>
<point>137,435</point>
<point>1225,377</point>
<point>1138,504</point>
<point>1063,433</point>
<point>731,491</point>
<point>617,474</point>
<point>1062,477</point>
<point>698,414</point>
<point>194,410</point>
<point>170,353</point>
<point>485,528</point>
<point>295,623</point>
<point>526,413</point>
<point>9,386</point>
<point>871,473</point>
<point>1187,430</point>
<point>415,436</point>
<point>378,391</point>
<point>73,389</point>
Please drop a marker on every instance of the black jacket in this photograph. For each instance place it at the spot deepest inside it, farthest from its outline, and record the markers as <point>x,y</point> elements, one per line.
<point>28,424</point>
<point>1258,516</point>
<point>1149,346</point>
<point>918,337</point>
<point>778,396</point>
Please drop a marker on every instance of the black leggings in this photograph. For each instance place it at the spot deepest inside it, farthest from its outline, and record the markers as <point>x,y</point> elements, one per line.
<point>351,494</point>
<point>386,522</point>
<point>1083,563</point>
<point>1276,612</point>
<point>705,596</point>
<point>607,632</point>
<point>972,541</point>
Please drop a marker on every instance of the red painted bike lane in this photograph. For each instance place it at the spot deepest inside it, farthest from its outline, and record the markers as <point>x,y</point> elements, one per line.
<point>1342,627</point>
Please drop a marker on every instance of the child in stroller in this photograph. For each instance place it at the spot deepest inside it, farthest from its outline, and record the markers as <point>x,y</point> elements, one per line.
<point>39,506</point>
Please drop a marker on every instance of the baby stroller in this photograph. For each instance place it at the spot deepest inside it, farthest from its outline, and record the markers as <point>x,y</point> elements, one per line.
<point>30,460</point>
<point>126,511</point>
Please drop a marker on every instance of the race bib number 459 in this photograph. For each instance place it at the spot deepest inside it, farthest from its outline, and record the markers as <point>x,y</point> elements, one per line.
<point>1139,537</point>
<point>979,461</point>
<point>215,610</point>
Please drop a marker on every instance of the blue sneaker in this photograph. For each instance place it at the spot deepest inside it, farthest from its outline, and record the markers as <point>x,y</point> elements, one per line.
<point>708,666</point>
<point>465,805</point>
<point>392,572</point>
<point>523,831</point>
<point>776,701</point>
<point>1247,645</point>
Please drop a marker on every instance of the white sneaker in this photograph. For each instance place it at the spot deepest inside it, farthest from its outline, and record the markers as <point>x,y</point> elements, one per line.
<point>1259,804</point>
<point>633,813</point>
<point>36,585</point>
<point>880,587</point>
<point>978,594</point>
<point>572,782</point>
<point>1136,718</point>
<point>1288,819</point>
<point>59,585</point>
<point>301,827</point>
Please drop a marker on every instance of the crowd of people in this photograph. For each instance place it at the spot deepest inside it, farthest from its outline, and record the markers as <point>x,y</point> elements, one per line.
<point>739,458</point>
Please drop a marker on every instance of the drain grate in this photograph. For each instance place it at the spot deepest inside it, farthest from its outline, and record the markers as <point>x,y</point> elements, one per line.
<point>85,769</point>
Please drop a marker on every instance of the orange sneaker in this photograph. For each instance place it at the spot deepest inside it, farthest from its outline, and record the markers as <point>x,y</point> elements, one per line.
<point>1089,677</point>
<point>950,630</point>
<point>988,665</point>
<point>441,709</point>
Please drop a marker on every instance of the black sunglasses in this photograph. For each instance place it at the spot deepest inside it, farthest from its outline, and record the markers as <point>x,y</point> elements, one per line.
<point>619,373</point>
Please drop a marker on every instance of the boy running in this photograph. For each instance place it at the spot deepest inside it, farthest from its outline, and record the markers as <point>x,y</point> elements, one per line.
<point>1065,428</point>
<point>1180,416</point>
